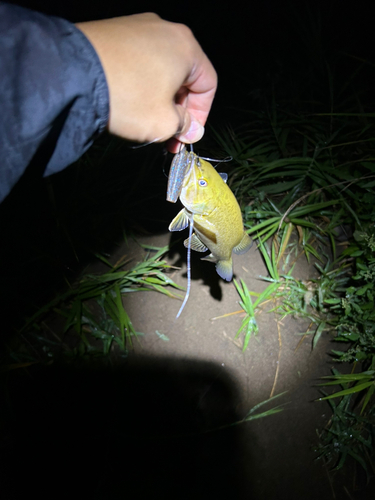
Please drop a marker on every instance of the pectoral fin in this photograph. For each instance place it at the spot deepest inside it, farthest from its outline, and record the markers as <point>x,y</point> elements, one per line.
<point>244,245</point>
<point>180,222</point>
<point>195,244</point>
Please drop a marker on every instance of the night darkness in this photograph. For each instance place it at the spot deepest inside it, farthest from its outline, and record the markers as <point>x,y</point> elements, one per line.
<point>246,42</point>
<point>254,47</point>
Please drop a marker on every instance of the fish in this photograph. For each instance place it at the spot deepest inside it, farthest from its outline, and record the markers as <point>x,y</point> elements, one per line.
<point>215,214</point>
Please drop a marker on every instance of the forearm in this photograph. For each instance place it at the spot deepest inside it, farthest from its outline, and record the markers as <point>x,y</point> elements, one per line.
<point>50,78</point>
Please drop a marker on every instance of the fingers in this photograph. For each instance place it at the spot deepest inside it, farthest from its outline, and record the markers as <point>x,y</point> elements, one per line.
<point>195,101</point>
<point>161,84</point>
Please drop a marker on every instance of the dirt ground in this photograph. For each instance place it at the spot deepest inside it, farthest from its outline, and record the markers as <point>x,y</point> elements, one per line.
<point>274,458</point>
<point>186,380</point>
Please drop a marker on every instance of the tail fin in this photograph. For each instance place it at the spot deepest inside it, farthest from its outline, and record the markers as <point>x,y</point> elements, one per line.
<point>224,269</point>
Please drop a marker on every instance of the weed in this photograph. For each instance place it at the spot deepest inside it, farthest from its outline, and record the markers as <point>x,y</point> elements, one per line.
<point>305,179</point>
<point>93,310</point>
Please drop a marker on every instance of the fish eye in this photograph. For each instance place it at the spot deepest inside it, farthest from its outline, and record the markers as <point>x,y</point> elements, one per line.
<point>202,182</point>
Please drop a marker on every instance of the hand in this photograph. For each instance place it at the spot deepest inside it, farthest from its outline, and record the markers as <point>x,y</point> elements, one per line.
<point>161,84</point>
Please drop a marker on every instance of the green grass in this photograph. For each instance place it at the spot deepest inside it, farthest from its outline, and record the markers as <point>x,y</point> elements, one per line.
<point>54,228</point>
<point>92,309</point>
<point>303,171</point>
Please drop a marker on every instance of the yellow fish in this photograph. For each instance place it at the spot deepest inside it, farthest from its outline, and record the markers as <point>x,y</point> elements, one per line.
<point>216,216</point>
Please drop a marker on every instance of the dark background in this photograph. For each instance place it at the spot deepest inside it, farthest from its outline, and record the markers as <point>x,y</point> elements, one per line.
<point>65,427</point>
<point>248,41</point>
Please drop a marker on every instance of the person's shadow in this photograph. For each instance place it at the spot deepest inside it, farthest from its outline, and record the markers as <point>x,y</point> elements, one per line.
<point>143,430</point>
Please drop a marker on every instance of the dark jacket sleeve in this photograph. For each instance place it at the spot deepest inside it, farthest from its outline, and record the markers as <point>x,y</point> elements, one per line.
<point>52,87</point>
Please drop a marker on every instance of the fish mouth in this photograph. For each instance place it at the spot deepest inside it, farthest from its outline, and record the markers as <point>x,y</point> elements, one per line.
<point>193,171</point>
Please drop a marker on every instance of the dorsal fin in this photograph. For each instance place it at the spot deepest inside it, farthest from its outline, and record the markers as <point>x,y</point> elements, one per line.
<point>224,176</point>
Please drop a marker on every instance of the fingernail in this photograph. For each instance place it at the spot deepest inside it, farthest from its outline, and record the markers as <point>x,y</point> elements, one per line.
<point>194,134</point>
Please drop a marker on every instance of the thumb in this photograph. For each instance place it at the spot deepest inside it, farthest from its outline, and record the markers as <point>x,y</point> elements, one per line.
<point>190,130</point>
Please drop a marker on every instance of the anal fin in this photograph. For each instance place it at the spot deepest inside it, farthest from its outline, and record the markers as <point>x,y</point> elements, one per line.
<point>210,258</point>
<point>195,244</point>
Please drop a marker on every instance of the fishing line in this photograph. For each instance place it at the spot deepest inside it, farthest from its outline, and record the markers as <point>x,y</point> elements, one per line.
<point>225,160</point>
<point>188,266</point>
<point>188,257</point>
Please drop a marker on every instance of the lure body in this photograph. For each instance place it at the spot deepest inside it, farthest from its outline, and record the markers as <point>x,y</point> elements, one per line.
<point>180,165</point>
<point>217,217</point>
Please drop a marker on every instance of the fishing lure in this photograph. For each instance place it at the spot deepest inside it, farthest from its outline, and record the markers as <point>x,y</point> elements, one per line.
<point>179,167</point>
<point>181,164</point>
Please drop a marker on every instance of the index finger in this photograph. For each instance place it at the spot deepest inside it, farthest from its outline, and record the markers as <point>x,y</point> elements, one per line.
<point>201,87</point>
<point>195,96</point>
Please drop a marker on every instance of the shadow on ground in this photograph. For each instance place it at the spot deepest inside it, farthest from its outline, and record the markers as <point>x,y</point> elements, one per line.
<point>138,431</point>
